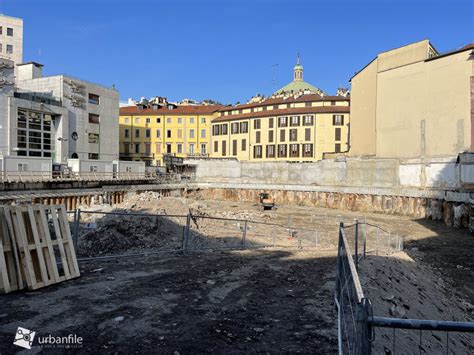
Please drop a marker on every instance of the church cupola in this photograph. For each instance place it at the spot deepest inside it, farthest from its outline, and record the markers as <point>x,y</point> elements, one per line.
<point>298,70</point>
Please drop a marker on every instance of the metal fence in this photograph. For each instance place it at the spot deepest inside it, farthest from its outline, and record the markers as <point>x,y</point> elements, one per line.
<point>97,233</point>
<point>361,332</point>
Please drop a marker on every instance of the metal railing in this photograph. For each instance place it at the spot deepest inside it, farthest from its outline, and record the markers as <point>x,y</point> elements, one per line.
<point>50,176</point>
<point>357,325</point>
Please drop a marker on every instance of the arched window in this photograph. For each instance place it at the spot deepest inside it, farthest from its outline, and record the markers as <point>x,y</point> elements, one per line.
<point>74,156</point>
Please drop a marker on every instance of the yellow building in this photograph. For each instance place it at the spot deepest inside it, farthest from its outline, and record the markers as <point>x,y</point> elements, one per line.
<point>298,123</point>
<point>148,133</point>
<point>413,102</point>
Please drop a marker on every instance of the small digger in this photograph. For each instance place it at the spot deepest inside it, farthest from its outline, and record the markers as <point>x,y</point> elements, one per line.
<point>267,202</point>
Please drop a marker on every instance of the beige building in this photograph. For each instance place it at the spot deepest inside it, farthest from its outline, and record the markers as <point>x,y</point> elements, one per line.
<point>11,38</point>
<point>414,102</point>
<point>297,123</point>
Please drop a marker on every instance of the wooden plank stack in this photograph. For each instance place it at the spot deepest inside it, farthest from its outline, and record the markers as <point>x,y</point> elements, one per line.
<point>36,248</point>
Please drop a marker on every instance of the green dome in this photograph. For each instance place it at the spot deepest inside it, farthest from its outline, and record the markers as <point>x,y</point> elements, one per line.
<point>297,86</point>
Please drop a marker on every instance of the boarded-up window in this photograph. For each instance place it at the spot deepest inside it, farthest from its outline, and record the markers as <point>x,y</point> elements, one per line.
<point>270,122</point>
<point>244,145</point>
<point>337,148</point>
<point>337,134</point>
<point>234,147</point>
<point>257,137</point>
<point>307,134</point>
<point>216,147</point>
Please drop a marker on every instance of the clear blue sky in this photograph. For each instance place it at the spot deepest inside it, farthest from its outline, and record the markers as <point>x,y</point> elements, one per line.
<point>225,50</point>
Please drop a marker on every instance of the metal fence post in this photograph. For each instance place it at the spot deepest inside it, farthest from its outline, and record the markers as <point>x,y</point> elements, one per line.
<point>244,235</point>
<point>362,345</point>
<point>186,233</point>
<point>365,236</point>
<point>77,222</point>
<point>356,233</point>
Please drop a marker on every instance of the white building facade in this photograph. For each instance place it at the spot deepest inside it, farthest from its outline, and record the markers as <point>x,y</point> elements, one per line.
<point>11,38</point>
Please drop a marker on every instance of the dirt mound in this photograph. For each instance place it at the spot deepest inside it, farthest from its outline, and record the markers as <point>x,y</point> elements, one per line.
<point>120,234</point>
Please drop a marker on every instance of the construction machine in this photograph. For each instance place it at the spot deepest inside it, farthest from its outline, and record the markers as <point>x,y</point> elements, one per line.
<point>267,202</point>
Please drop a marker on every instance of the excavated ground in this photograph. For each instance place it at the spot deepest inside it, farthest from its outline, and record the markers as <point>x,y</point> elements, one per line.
<point>265,300</point>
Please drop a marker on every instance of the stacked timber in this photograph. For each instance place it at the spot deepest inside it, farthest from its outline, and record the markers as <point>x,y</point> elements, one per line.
<point>36,248</point>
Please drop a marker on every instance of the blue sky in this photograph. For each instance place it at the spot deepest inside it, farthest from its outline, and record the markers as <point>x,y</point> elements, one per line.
<point>226,50</point>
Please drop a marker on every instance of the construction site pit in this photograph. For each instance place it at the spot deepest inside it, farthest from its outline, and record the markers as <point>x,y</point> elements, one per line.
<point>270,289</point>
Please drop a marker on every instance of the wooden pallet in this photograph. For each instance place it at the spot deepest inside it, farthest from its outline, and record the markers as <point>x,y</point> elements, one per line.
<point>41,249</point>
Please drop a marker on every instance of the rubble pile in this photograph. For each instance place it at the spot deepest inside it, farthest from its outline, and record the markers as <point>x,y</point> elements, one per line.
<point>120,234</point>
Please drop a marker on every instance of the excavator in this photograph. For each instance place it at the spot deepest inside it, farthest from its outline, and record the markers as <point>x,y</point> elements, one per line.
<point>267,202</point>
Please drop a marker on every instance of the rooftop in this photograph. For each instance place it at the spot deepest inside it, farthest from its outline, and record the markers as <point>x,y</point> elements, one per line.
<point>180,110</point>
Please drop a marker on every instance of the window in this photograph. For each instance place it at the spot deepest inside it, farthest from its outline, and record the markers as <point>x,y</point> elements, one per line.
<point>94,99</point>
<point>22,167</point>
<point>216,147</point>
<point>137,133</point>
<point>158,120</point>
<point>281,150</point>
<point>147,133</point>
<point>168,148</point>
<point>9,31</point>
<point>93,168</point>
<point>234,147</point>
<point>191,120</point>
<point>215,130</point>
<point>283,122</point>
<point>126,147</point>
<point>93,138</point>
<point>244,145</point>
<point>168,133</point>
<point>293,135</point>
<point>294,150</point>
<point>94,118</point>
<point>270,151</point>
<point>234,128</point>
<point>203,119</point>
<point>295,120</point>
<point>308,120</point>
<point>333,103</point>
<point>224,128</point>
<point>127,120</point>
<point>128,169</point>
<point>257,137</point>
<point>180,148</point>
<point>288,105</point>
<point>256,124</point>
<point>126,133</point>
<point>203,148</point>
<point>93,156</point>
<point>137,120</point>
<point>147,120</point>
<point>257,151</point>
<point>137,148</point>
<point>337,148</point>
<point>9,49</point>
<point>191,148</point>
<point>203,133</point>
<point>191,133</point>
<point>224,149</point>
<point>307,150</point>
<point>168,120</point>
<point>270,136</point>
<point>158,133</point>
<point>282,135</point>
<point>180,132</point>
<point>307,134</point>
<point>270,123</point>
<point>337,134</point>
<point>148,148</point>
<point>308,104</point>
<point>244,127</point>
<point>338,120</point>
<point>158,148</point>
<point>1,30</point>
<point>180,120</point>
